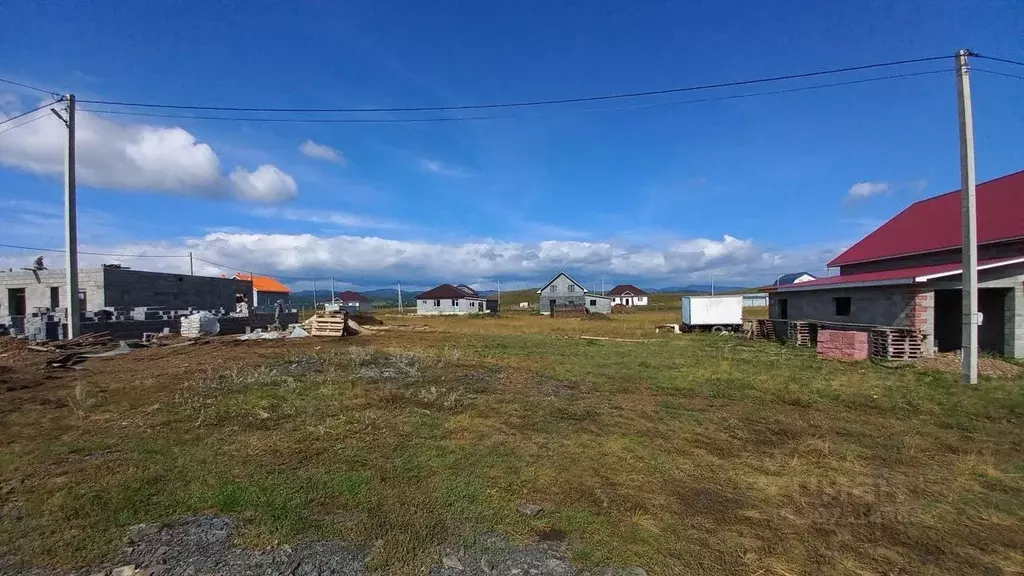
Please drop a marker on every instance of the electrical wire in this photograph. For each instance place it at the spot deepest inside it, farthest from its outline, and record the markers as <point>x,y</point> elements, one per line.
<point>57,250</point>
<point>37,89</point>
<point>527,103</point>
<point>997,73</point>
<point>13,118</point>
<point>507,117</point>
<point>1003,60</point>
<point>19,125</point>
<point>244,271</point>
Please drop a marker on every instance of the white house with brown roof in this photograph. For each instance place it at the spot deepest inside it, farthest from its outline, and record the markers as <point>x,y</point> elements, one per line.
<point>447,299</point>
<point>628,295</point>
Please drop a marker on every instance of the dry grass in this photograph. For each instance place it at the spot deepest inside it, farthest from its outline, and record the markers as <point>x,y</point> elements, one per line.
<point>690,454</point>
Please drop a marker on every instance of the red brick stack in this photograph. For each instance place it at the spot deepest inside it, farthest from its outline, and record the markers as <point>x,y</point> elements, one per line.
<point>842,345</point>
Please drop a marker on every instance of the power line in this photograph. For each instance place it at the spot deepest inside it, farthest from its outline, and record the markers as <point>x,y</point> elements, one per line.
<point>37,89</point>
<point>298,120</point>
<point>19,125</point>
<point>997,73</point>
<point>57,250</point>
<point>12,118</point>
<point>1003,60</point>
<point>251,273</point>
<point>507,117</point>
<point>527,103</point>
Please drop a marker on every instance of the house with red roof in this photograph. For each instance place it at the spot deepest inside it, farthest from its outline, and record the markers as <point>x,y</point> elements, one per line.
<point>353,302</point>
<point>908,273</point>
<point>627,295</point>
<point>449,299</point>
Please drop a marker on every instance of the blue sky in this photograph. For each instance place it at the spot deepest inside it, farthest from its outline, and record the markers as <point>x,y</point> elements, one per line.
<point>656,195</point>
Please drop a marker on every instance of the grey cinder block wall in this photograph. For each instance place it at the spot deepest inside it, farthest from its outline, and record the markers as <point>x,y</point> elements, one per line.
<point>121,287</point>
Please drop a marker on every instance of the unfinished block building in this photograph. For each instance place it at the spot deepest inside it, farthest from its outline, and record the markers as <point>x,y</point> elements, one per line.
<point>23,292</point>
<point>908,274</point>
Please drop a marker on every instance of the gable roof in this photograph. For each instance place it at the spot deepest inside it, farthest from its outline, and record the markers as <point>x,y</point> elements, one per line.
<point>935,224</point>
<point>445,291</point>
<point>792,277</point>
<point>350,296</point>
<point>263,283</point>
<point>622,289</point>
<point>582,287</point>
<point>467,290</point>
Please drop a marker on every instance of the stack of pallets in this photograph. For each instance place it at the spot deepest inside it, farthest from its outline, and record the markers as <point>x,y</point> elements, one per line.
<point>327,325</point>
<point>764,328</point>
<point>896,344</point>
<point>803,333</point>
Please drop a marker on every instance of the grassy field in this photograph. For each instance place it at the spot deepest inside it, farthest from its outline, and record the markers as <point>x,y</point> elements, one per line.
<point>685,454</point>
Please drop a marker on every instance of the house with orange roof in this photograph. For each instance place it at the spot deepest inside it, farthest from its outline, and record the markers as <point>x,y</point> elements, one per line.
<point>266,291</point>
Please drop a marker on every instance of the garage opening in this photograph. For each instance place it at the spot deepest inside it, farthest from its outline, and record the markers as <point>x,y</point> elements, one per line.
<point>991,333</point>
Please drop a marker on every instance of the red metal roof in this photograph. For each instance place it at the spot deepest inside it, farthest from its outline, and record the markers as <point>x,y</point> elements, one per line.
<point>446,291</point>
<point>935,223</point>
<point>898,276</point>
<point>350,296</point>
<point>621,289</point>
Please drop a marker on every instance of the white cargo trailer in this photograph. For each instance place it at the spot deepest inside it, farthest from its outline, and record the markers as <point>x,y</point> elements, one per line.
<point>712,312</point>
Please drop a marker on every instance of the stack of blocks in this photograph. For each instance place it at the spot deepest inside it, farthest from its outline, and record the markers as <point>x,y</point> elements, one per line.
<point>842,345</point>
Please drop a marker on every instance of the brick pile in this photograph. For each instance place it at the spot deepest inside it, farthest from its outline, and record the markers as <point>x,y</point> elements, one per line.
<point>843,345</point>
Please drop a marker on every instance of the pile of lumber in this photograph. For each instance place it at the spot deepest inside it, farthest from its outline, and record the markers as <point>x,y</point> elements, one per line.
<point>80,344</point>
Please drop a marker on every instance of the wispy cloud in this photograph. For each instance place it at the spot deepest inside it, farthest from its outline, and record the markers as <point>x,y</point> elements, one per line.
<point>314,216</point>
<point>442,168</point>
<point>322,152</point>
<point>862,190</point>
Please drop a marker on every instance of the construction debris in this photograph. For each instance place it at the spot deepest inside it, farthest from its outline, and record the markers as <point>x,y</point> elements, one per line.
<point>333,325</point>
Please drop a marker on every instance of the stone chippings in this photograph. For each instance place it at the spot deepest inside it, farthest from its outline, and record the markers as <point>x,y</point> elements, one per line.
<point>202,546</point>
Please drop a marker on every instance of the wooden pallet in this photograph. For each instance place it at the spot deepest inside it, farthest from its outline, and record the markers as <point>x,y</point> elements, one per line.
<point>764,328</point>
<point>803,333</point>
<point>327,326</point>
<point>896,344</point>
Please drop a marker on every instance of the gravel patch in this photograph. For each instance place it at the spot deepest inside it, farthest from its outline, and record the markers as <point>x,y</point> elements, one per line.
<point>201,546</point>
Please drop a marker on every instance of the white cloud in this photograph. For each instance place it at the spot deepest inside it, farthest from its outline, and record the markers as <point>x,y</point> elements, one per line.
<point>862,190</point>
<point>316,216</point>
<point>267,184</point>
<point>442,169</point>
<point>138,157</point>
<point>322,152</point>
<point>373,260</point>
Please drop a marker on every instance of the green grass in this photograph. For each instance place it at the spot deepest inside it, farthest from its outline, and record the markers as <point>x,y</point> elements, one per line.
<point>693,453</point>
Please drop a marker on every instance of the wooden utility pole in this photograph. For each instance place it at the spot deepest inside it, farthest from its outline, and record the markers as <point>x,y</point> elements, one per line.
<point>969,233</point>
<point>70,221</point>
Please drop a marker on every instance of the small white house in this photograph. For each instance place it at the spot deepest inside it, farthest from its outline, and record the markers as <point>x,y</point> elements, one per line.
<point>795,278</point>
<point>628,295</point>
<point>448,299</point>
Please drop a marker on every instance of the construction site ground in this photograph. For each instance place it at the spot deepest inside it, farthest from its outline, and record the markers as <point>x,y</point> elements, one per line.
<point>410,445</point>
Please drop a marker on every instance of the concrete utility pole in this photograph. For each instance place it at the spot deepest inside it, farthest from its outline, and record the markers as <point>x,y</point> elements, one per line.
<point>399,296</point>
<point>499,295</point>
<point>191,269</point>
<point>314,295</point>
<point>70,221</point>
<point>712,283</point>
<point>332,289</point>
<point>969,234</point>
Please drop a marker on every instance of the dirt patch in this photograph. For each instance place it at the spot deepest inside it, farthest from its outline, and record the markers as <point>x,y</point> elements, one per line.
<point>992,367</point>
<point>367,320</point>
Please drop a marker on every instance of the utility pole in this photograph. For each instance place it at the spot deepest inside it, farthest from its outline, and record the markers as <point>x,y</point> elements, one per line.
<point>70,221</point>
<point>399,296</point>
<point>499,295</point>
<point>332,289</point>
<point>712,283</point>
<point>969,233</point>
<point>314,295</point>
<point>191,269</point>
